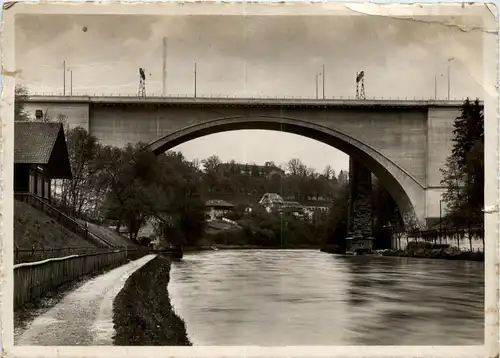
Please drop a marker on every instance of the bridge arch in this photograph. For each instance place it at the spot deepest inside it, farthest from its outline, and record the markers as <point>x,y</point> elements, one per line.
<point>406,191</point>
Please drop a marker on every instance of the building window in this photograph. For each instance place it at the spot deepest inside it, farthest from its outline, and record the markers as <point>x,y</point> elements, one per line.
<point>46,189</point>
<point>39,187</point>
<point>32,181</point>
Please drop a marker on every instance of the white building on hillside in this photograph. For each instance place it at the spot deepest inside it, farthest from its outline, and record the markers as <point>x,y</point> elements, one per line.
<point>272,201</point>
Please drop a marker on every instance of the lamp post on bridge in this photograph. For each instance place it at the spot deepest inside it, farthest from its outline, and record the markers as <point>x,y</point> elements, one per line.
<point>450,63</point>
<point>435,85</point>
<point>70,81</point>
<point>316,76</point>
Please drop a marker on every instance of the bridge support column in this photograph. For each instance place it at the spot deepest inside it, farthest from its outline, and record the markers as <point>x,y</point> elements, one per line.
<point>359,223</point>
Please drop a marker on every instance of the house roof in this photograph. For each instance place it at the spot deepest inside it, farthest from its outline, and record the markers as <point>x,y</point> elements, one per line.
<point>219,203</point>
<point>42,143</point>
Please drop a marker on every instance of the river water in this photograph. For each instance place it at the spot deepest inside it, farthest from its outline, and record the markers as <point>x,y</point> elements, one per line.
<point>306,297</point>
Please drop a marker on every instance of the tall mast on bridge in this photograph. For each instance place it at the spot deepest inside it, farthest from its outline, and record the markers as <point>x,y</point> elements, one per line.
<point>142,83</point>
<point>360,85</point>
<point>164,69</point>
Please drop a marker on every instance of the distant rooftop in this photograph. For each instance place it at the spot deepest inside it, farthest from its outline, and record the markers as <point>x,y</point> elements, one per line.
<point>215,203</point>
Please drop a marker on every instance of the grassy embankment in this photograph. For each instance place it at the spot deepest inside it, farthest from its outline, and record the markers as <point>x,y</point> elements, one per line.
<point>142,312</point>
<point>34,229</point>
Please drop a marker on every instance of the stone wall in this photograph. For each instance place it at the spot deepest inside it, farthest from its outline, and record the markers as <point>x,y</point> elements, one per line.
<point>360,200</point>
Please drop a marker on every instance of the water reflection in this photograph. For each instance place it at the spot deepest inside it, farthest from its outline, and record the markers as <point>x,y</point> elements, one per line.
<point>305,297</point>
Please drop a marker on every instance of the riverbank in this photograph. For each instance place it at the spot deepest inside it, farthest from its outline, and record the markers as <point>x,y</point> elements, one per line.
<point>142,312</point>
<point>248,247</point>
<point>443,254</point>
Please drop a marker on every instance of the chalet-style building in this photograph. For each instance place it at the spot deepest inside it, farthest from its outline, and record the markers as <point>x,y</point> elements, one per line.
<point>216,209</point>
<point>40,155</point>
<point>271,201</point>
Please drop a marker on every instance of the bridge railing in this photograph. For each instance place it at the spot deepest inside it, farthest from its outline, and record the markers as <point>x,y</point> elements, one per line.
<point>222,96</point>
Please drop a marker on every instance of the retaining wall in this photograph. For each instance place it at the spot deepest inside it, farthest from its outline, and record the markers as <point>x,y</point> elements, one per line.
<point>33,279</point>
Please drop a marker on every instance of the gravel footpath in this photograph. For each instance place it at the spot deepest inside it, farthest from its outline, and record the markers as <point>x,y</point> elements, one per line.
<point>84,316</point>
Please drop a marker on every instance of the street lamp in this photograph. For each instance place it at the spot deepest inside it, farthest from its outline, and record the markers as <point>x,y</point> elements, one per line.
<point>316,75</point>
<point>450,62</point>
<point>435,85</point>
<point>70,81</point>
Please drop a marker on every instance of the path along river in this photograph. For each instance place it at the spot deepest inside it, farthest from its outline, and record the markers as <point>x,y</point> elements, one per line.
<point>84,316</point>
<point>285,297</point>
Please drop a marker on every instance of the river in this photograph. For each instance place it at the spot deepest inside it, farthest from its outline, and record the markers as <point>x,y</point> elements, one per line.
<point>306,297</point>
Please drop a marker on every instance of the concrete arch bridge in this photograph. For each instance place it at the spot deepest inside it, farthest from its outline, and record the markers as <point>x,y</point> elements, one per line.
<point>403,142</point>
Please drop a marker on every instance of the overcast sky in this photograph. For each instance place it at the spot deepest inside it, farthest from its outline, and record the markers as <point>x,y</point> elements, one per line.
<point>247,57</point>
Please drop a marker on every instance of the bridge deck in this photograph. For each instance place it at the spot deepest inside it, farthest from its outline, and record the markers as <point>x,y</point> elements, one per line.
<point>232,101</point>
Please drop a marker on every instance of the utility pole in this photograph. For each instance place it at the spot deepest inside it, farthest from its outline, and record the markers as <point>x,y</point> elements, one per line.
<point>164,72</point>
<point>316,75</point>
<point>449,82</point>
<point>450,61</point>
<point>195,80</point>
<point>435,87</point>
<point>323,81</point>
<point>71,82</point>
<point>64,78</point>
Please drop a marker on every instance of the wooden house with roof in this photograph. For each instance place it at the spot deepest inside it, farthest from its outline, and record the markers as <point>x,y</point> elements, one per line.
<point>40,155</point>
<point>216,209</point>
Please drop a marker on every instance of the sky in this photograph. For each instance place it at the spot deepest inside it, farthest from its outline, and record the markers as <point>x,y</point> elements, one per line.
<point>251,56</point>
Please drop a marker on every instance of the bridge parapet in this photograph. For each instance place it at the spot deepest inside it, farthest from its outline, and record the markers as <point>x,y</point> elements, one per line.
<point>235,101</point>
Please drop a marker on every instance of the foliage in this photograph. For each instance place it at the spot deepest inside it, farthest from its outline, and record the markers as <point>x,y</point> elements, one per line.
<point>132,187</point>
<point>333,227</point>
<point>298,183</point>
<point>463,174</point>
<point>20,95</point>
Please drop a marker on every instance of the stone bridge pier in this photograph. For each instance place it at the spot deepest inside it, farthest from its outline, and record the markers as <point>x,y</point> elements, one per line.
<point>359,216</point>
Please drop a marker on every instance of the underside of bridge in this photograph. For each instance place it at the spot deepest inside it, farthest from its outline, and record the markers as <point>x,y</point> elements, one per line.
<point>364,161</point>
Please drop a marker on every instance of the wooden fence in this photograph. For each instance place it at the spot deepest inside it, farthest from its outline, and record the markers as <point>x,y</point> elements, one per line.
<point>33,279</point>
<point>36,254</point>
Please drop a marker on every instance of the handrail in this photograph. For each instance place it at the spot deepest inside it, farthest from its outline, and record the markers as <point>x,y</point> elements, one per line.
<point>67,217</point>
<point>36,263</point>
